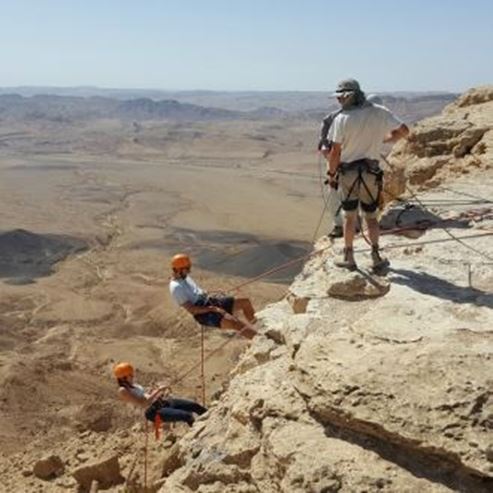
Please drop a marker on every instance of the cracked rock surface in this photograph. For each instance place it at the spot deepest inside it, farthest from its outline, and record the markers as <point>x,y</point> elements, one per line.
<point>457,142</point>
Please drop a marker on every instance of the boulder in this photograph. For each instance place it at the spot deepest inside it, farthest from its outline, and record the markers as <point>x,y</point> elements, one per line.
<point>49,467</point>
<point>358,285</point>
<point>106,472</point>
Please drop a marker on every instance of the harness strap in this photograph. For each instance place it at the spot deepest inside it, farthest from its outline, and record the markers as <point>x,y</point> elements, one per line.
<point>360,166</point>
<point>374,200</point>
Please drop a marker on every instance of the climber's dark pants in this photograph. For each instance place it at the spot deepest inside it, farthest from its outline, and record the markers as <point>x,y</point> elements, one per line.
<point>171,410</point>
<point>214,319</point>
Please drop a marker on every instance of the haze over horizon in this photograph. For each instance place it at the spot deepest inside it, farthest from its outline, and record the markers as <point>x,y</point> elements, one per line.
<point>279,46</point>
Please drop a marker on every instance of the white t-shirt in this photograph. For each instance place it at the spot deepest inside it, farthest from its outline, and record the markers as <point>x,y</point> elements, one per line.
<point>137,390</point>
<point>361,131</point>
<point>183,290</point>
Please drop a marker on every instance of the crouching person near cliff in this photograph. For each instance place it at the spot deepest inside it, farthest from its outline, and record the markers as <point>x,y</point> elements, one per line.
<point>157,404</point>
<point>211,311</point>
<point>357,135</point>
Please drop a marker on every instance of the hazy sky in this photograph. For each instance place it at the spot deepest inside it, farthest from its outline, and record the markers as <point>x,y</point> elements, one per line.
<point>247,44</point>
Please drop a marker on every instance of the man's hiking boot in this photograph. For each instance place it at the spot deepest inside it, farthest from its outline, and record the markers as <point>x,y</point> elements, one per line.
<point>379,262</point>
<point>337,232</point>
<point>347,261</point>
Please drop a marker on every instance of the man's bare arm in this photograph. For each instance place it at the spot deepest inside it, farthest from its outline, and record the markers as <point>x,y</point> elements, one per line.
<point>334,159</point>
<point>397,134</point>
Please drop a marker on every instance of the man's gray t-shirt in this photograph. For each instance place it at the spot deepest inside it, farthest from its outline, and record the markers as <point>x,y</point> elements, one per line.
<point>185,290</point>
<point>361,131</point>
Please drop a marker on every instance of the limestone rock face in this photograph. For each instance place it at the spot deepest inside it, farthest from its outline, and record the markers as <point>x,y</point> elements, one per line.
<point>384,391</point>
<point>459,141</point>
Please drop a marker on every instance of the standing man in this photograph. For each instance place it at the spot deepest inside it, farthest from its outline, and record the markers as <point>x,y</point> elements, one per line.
<point>212,311</point>
<point>357,135</point>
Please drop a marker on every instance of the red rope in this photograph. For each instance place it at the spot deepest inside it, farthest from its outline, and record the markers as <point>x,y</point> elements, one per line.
<point>202,364</point>
<point>276,269</point>
<point>145,453</point>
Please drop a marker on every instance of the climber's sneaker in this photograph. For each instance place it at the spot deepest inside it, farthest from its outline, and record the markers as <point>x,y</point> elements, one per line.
<point>347,260</point>
<point>379,262</point>
<point>337,232</point>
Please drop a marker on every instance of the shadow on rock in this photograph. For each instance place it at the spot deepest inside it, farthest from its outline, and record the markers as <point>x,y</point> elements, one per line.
<point>440,288</point>
<point>25,256</point>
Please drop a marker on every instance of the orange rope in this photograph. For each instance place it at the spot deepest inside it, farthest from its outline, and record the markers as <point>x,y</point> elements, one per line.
<point>145,453</point>
<point>276,269</point>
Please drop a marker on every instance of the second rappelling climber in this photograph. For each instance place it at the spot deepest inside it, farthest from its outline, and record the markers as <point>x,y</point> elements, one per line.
<point>211,311</point>
<point>156,402</point>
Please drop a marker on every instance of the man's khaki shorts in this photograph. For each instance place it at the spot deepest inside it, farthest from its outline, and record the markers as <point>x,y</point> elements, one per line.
<point>355,193</point>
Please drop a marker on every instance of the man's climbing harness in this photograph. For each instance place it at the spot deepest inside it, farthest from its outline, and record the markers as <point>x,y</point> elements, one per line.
<point>360,167</point>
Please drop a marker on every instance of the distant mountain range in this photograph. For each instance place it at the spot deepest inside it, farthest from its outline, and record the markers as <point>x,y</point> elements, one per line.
<point>74,104</point>
<point>72,108</point>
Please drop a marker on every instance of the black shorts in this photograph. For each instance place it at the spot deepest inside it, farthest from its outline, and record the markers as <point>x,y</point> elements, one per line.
<point>213,319</point>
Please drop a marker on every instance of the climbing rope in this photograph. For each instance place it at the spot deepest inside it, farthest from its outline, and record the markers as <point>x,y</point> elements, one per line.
<point>202,362</point>
<point>207,357</point>
<point>465,194</point>
<point>447,231</point>
<point>428,242</point>
<point>283,266</point>
<point>146,447</point>
<point>326,204</point>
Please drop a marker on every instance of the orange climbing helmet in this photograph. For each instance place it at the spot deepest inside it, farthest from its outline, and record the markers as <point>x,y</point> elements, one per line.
<point>181,261</point>
<point>123,370</point>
